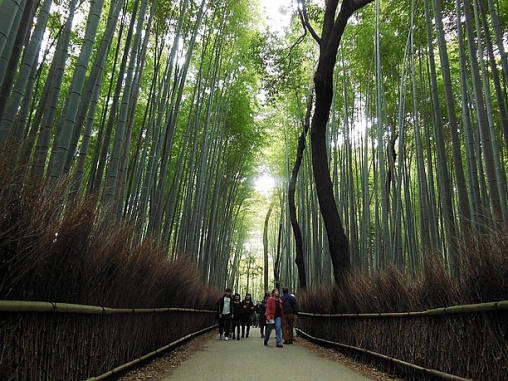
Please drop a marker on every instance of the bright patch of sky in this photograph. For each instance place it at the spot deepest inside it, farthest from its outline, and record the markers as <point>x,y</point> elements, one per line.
<point>277,14</point>
<point>264,183</point>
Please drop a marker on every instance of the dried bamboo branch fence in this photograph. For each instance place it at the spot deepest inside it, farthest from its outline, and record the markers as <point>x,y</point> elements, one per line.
<point>468,342</point>
<point>61,341</point>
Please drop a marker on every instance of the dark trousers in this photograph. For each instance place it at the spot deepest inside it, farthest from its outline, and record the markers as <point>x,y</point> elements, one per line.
<point>236,327</point>
<point>246,322</point>
<point>225,325</point>
<point>262,324</point>
<point>287,327</point>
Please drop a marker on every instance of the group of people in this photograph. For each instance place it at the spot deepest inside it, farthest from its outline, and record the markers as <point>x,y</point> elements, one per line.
<point>234,314</point>
<point>275,311</point>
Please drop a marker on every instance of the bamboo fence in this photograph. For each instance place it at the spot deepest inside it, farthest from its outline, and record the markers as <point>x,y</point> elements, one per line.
<point>468,342</point>
<point>28,306</point>
<point>79,341</point>
<point>50,341</point>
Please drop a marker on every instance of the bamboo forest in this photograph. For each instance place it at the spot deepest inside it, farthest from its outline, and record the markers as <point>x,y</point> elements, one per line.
<point>338,148</point>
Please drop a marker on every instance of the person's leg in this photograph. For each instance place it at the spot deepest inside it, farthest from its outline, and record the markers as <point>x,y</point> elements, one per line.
<point>291,325</point>
<point>268,331</point>
<point>221,326</point>
<point>243,327</point>
<point>227,325</point>
<point>278,331</point>
<point>248,323</point>
<point>285,329</point>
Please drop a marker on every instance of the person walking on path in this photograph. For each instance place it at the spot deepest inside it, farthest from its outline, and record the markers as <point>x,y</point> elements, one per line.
<point>225,309</point>
<point>274,316</point>
<point>262,316</point>
<point>247,312</point>
<point>257,311</point>
<point>237,315</point>
<point>289,307</point>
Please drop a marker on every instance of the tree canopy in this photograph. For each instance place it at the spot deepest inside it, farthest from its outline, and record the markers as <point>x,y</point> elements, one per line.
<point>166,113</point>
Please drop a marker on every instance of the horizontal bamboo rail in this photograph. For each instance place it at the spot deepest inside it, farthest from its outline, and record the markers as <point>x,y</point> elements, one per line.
<point>34,306</point>
<point>467,308</point>
<point>436,373</point>
<point>31,306</point>
<point>147,356</point>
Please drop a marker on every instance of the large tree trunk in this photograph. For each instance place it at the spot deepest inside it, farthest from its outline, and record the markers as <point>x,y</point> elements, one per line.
<point>333,29</point>
<point>337,240</point>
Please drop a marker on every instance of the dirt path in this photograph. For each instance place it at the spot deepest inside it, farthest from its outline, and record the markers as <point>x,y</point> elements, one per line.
<point>210,359</point>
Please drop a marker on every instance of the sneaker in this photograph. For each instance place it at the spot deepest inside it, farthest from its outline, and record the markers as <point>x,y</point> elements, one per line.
<point>226,338</point>
<point>265,342</point>
<point>280,346</point>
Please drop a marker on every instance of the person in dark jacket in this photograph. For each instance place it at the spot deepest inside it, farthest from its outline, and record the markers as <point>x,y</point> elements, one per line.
<point>289,306</point>
<point>247,312</point>
<point>257,311</point>
<point>237,315</point>
<point>262,317</point>
<point>225,310</point>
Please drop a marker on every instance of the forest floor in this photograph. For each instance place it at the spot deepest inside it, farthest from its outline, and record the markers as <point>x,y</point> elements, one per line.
<point>180,363</point>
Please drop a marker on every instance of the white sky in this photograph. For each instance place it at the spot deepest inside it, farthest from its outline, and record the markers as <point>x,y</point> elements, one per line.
<point>264,184</point>
<point>277,13</point>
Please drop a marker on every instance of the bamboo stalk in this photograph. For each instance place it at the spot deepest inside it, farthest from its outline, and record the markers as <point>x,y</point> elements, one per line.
<point>433,372</point>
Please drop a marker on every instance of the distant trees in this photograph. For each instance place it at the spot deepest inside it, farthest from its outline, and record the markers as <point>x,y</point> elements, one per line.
<point>147,106</point>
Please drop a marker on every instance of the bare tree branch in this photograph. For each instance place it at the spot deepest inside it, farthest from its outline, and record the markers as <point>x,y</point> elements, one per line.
<point>304,18</point>
<point>357,4</point>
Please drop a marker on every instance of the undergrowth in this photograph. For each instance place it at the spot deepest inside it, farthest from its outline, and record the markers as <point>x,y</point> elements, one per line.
<point>483,278</point>
<point>54,249</point>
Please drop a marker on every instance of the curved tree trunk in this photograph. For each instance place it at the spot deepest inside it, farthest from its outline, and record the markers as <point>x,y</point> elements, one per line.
<point>333,29</point>
<point>265,248</point>
<point>299,258</point>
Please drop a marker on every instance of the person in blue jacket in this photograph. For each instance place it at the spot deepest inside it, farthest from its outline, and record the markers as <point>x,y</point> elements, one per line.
<point>289,306</point>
